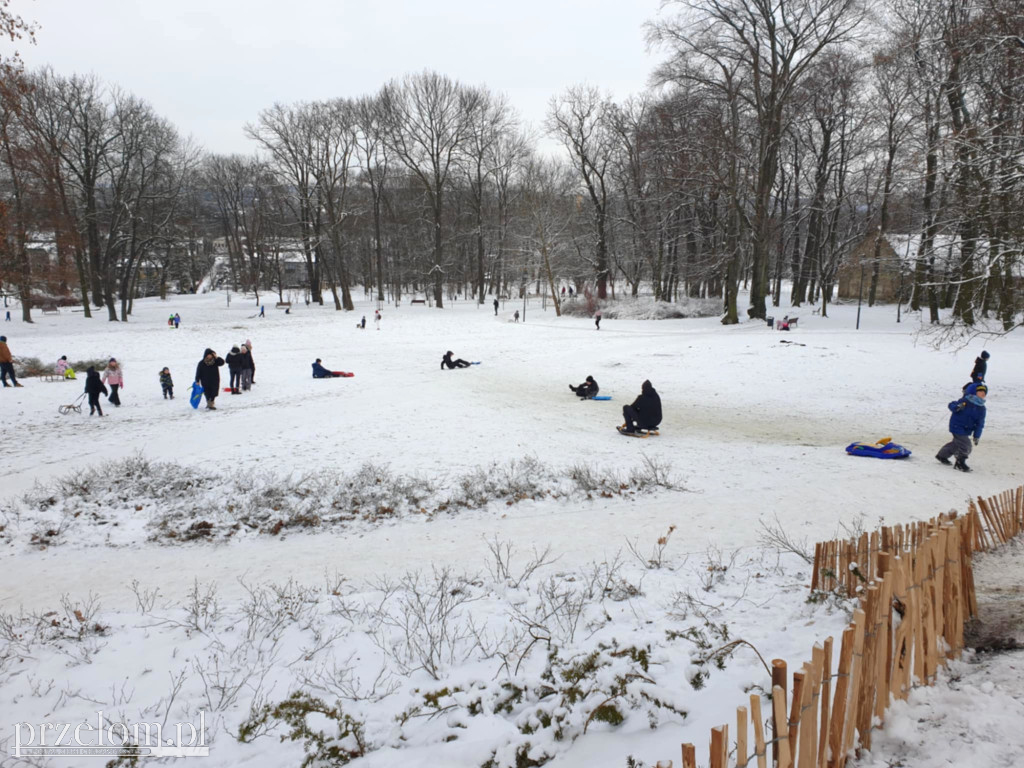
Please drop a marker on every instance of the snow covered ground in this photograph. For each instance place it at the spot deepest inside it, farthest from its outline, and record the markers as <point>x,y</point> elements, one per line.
<point>755,425</point>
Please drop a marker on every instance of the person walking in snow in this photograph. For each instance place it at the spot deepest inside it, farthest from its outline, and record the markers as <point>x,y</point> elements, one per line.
<point>587,389</point>
<point>516,316</point>
<point>644,412</point>
<point>94,388</point>
<point>167,383</point>
<point>495,307</point>
<point>447,362</point>
<point>113,376</point>
<point>208,377</point>
<point>177,320</point>
<point>966,421</point>
<point>263,310</point>
<point>597,320</point>
<point>376,318</point>
<point>7,364</point>
<point>980,367</point>
<point>235,361</point>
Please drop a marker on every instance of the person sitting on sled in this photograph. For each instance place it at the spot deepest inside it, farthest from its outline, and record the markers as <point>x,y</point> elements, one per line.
<point>447,362</point>
<point>64,368</point>
<point>587,389</point>
<point>319,372</point>
<point>644,412</point>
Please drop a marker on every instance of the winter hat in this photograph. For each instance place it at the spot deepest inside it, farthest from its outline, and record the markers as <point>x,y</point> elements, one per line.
<point>234,349</point>
<point>3,338</point>
<point>318,359</point>
<point>981,388</point>
<point>984,355</point>
<point>63,357</point>
<point>113,359</point>
<point>248,344</point>
<point>590,378</point>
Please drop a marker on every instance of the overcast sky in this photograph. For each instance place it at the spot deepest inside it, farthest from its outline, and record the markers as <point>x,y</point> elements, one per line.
<point>210,66</point>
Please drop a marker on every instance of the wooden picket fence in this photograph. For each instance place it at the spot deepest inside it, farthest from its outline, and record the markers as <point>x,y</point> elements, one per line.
<point>915,584</point>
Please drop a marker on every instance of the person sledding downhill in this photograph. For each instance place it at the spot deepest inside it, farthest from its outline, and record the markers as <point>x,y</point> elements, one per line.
<point>967,420</point>
<point>447,362</point>
<point>587,389</point>
<point>643,415</point>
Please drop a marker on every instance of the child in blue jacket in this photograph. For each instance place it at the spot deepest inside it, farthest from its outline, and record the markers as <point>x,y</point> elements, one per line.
<point>967,420</point>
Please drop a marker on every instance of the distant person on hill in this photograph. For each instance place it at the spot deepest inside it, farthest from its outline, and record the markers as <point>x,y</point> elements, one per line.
<point>516,316</point>
<point>447,362</point>
<point>113,376</point>
<point>980,367</point>
<point>235,361</point>
<point>362,323</point>
<point>64,368</point>
<point>263,310</point>
<point>319,372</point>
<point>177,320</point>
<point>94,388</point>
<point>208,377</point>
<point>7,364</point>
<point>644,412</point>
<point>967,419</point>
<point>495,307</point>
<point>587,389</point>
<point>376,318</point>
<point>167,383</point>
<point>170,321</point>
<point>597,320</point>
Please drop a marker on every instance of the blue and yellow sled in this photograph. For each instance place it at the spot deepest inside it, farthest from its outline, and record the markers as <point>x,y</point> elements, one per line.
<point>883,449</point>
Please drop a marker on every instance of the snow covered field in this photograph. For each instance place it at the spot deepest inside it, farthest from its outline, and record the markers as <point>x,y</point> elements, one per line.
<point>754,430</point>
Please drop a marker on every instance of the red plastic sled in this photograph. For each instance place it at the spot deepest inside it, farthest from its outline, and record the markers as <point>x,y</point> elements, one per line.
<point>343,374</point>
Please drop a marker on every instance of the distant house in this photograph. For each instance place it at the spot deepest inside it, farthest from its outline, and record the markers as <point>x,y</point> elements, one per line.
<point>896,260</point>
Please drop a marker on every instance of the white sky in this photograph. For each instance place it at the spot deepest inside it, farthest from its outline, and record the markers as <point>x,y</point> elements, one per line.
<point>211,65</point>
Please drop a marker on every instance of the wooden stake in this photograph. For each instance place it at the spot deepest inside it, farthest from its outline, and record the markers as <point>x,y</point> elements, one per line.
<point>741,737</point>
<point>759,745</point>
<point>779,711</point>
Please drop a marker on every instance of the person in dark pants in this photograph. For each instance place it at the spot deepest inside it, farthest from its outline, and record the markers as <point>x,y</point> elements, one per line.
<point>587,389</point>
<point>7,364</point>
<point>495,307</point>
<point>208,377</point>
<point>235,361</point>
<point>447,362</point>
<point>597,321</point>
<point>319,372</point>
<point>967,420</point>
<point>167,383</point>
<point>644,412</point>
<point>980,367</point>
<point>94,388</point>
<point>113,376</point>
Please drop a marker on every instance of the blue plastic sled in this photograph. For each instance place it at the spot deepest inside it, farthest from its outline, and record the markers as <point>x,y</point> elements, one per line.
<point>883,449</point>
<point>600,397</point>
<point>197,395</point>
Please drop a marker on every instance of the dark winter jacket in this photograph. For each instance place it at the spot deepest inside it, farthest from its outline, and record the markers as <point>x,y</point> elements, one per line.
<point>447,362</point>
<point>588,388</point>
<point>93,385</point>
<point>980,369</point>
<point>647,407</point>
<point>235,359</point>
<point>319,372</point>
<point>968,414</point>
<point>165,380</point>
<point>246,360</point>
<point>208,373</point>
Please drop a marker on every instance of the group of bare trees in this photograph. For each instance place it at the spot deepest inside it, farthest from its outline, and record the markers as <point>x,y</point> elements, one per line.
<point>779,136</point>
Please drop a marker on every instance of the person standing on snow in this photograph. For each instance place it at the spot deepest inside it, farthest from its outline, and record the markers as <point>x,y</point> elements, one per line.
<point>113,376</point>
<point>597,320</point>
<point>967,420</point>
<point>94,387</point>
<point>208,377</point>
<point>495,307</point>
<point>7,364</point>
<point>235,361</point>
<point>980,367</point>
<point>248,366</point>
<point>376,318</point>
<point>167,383</point>
<point>644,412</point>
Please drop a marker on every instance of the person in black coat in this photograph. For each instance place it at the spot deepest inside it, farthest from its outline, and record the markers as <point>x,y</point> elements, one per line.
<point>644,412</point>
<point>235,362</point>
<point>208,376</point>
<point>94,387</point>
<point>587,389</point>
<point>980,368</point>
<point>447,362</point>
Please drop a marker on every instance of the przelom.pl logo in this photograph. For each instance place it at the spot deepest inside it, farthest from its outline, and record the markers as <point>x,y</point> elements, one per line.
<point>112,739</point>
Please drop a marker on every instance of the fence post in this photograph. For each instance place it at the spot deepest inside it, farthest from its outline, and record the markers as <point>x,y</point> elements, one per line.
<point>779,680</point>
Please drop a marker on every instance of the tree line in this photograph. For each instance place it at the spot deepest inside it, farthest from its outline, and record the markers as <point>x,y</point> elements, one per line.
<point>775,138</point>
